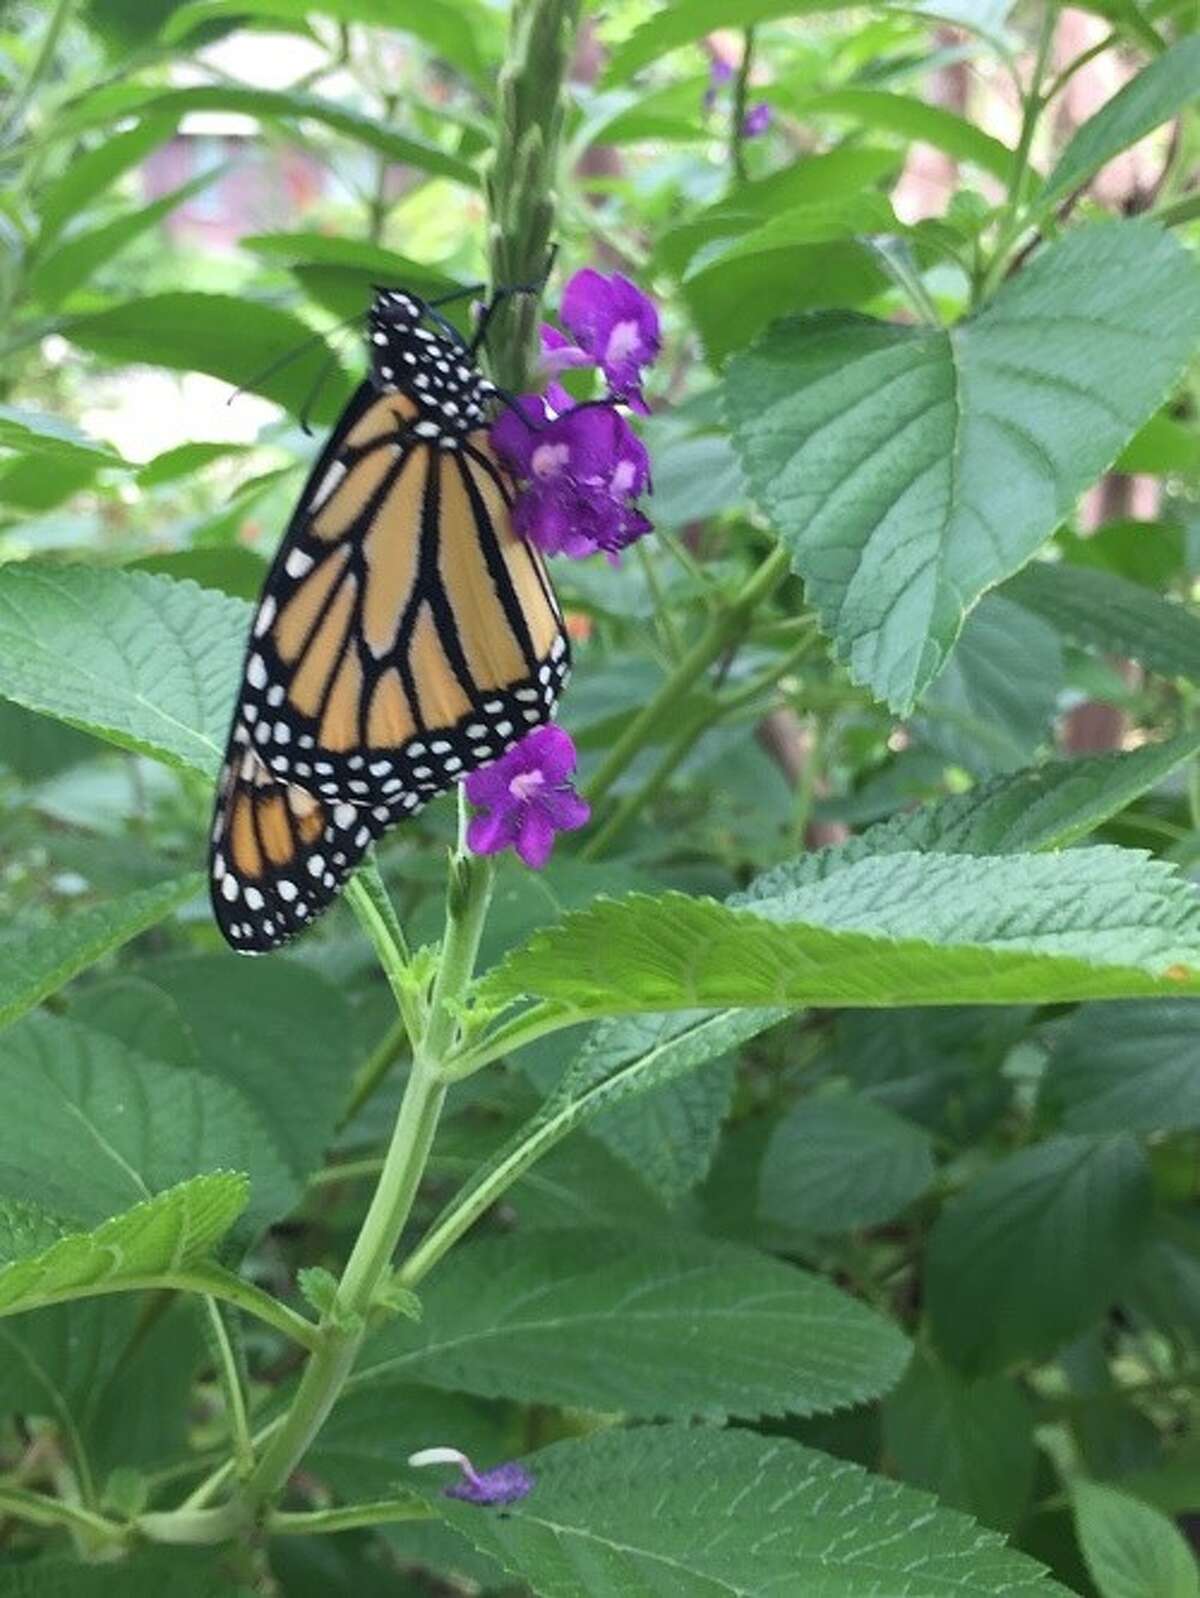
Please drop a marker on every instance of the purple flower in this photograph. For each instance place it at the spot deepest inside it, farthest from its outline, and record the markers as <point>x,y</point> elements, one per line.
<point>503,1484</point>
<point>757,120</point>
<point>527,798</point>
<point>719,74</point>
<point>615,327</point>
<point>582,469</point>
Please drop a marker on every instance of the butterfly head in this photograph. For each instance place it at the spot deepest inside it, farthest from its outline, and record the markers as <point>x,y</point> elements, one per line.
<point>439,374</point>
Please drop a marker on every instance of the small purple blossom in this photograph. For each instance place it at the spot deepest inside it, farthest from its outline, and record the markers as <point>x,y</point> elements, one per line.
<point>614,326</point>
<point>719,74</point>
<point>757,120</point>
<point>583,470</point>
<point>527,798</point>
<point>503,1484</point>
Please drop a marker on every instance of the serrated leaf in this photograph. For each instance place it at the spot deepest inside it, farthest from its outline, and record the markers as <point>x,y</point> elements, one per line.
<point>913,119</point>
<point>278,1032</point>
<point>102,1128</point>
<point>970,1443</point>
<point>1104,611</point>
<point>1046,807</point>
<point>157,1239</point>
<point>880,451</point>
<point>677,1325</point>
<point>1132,1549</point>
<point>1158,92</point>
<point>991,709</point>
<point>672,1064</point>
<point>727,1514</point>
<point>1128,1067</point>
<point>836,1164</point>
<point>32,433</point>
<point>891,930</point>
<point>1030,1254</point>
<point>242,343</point>
<point>137,659</point>
<point>35,964</point>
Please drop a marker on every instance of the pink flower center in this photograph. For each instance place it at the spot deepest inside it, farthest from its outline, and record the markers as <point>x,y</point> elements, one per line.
<point>548,460</point>
<point>624,340</point>
<point>526,785</point>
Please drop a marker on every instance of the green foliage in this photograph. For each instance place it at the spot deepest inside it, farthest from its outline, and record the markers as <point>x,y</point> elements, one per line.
<point>889,524</point>
<point>818,1130</point>
<point>670,1326</point>
<point>629,1511</point>
<point>1132,1550</point>
<point>160,1238</point>
<point>1031,1253</point>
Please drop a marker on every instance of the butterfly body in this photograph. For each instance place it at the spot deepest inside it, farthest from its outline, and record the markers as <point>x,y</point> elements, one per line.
<point>404,637</point>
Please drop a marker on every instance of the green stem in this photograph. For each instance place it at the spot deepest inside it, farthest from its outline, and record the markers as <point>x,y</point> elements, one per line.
<point>1185,210</point>
<point>1012,222</point>
<point>231,1386</point>
<point>42,63</point>
<point>384,1512</point>
<point>468,897</point>
<point>39,1510</point>
<point>724,630</point>
<point>368,898</point>
<point>372,1073</point>
<point>662,610</point>
<point>741,95</point>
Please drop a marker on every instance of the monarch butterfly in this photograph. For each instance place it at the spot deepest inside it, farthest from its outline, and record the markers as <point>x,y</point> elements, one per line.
<point>405,635</point>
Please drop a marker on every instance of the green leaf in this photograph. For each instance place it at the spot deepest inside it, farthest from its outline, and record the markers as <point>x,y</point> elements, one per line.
<point>463,32</point>
<point>182,1572</point>
<point>1028,1256</point>
<point>728,1514</point>
<point>673,1066</point>
<point>33,748</point>
<point>610,1320</point>
<point>278,1032</point>
<point>233,339</point>
<point>913,119</point>
<point>877,450</point>
<point>340,274</point>
<point>685,21</point>
<point>282,105</point>
<point>894,930</point>
<point>183,461</point>
<point>1128,1067</point>
<point>1162,445</point>
<point>235,571</point>
<point>102,1129</point>
<point>1046,807</point>
<point>61,270</point>
<point>1104,611</point>
<point>837,1164</point>
<point>139,660</point>
<point>32,433</point>
<point>88,173</point>
<point>1160,91</point>
<point>991,709</point>
<point>970,1443</point>
<point>1132,1550</point>
<point>157,1239</point>
<point>34,964</point>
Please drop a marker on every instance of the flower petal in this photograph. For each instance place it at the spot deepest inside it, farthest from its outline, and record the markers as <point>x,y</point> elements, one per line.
<point>567,810</point>
<point>550,750</point>
<point>535,837</point>
<point>488,834</point>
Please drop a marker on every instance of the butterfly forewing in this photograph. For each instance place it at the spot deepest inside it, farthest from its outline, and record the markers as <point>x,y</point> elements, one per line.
<point>405,636</point>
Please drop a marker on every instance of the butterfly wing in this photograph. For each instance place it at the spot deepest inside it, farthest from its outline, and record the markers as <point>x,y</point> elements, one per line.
<point>405,635</point>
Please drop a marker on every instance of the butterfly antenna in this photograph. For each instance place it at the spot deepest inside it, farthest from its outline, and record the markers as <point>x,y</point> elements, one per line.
<point>289,356</point>
<point>310,399</point>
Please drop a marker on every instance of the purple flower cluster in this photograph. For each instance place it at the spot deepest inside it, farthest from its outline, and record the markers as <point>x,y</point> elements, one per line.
<point>503,1484</point>
<point>580,470</point>
<point>582,467</point>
